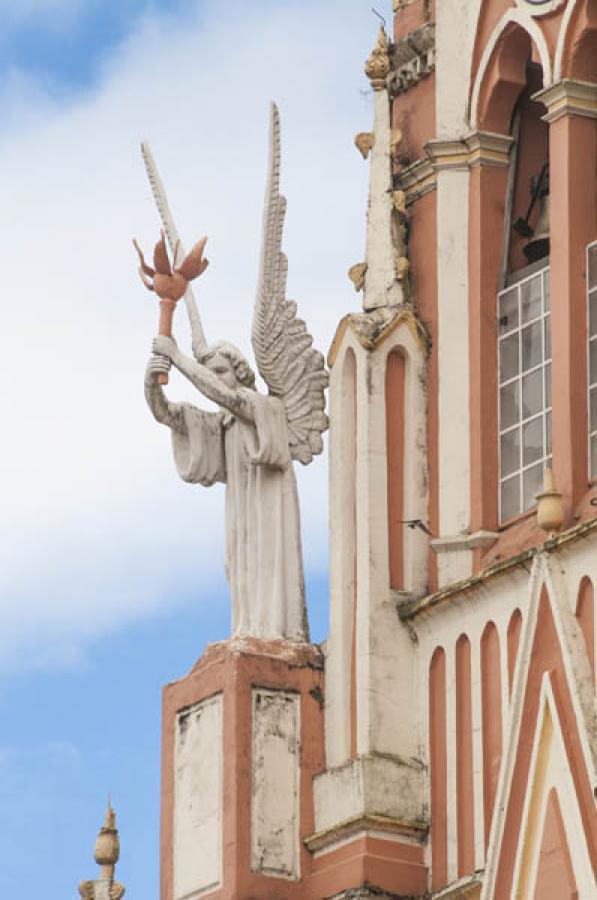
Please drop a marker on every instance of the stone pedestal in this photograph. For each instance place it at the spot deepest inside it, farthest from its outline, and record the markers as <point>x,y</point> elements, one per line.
<point>242,740</point>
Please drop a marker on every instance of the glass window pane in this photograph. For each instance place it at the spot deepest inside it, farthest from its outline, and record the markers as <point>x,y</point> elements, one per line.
<point>509,357</point>
<point>510,451</point>
<point>532,351</point>
<point>546,290</point>
<point>547,372</point>
<point>593,417</point>
<point>593,362</point>
<point>548,435</point>
<point>547,336</point>
<point>530,299</point>
<point>532,394</point>
<point>510,404</point>
<point>532,482</point>
<point>510,497</point>
<point>593,313</point>
<point>594,456</point>
<point>593,266</point>
<point>509,310</point>
<point>532,441</point>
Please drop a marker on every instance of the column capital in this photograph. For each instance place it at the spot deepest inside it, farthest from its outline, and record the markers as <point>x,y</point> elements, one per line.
<point>568,98</point>
<point>478,148</point>
<point>487,148</point>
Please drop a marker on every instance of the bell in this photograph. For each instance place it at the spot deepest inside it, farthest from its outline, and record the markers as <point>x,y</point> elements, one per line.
<point>538,246</point>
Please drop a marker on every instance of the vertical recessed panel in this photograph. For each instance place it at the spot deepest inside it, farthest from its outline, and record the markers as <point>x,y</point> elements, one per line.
<point>275,809</point>
<point>464,759</point>
<point>438,761</point>
<point>491,693</point>
<point>197,852</point>
<point>395,386</point>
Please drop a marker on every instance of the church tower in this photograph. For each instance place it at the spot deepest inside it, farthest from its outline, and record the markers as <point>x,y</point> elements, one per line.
<point>443,741</point>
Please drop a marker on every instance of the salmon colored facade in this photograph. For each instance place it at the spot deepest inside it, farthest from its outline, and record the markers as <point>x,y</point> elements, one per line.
<point>443,741</point>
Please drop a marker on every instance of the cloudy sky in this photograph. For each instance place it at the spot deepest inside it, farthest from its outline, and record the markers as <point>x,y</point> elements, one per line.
<point>111,578</point>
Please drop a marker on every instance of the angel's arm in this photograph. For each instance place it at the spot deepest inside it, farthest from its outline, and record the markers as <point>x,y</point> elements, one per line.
<point>162,409</point>
<point>209,384</point>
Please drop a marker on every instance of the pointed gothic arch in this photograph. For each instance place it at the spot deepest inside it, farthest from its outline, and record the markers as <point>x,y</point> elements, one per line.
<point>575,55</point>
<point>502,70</point>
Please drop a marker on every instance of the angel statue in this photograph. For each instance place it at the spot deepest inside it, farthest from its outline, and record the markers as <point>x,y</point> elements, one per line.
<point>252,441</point>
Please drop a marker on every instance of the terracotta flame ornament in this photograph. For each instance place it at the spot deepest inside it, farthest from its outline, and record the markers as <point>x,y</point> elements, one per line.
<point>170,284</point>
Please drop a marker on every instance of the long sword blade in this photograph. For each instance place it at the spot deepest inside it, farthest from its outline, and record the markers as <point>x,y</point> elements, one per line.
<point>171,232</point>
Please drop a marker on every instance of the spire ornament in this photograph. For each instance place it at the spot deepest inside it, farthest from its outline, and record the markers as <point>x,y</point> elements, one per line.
<point>107,853</point>
<point>377,66</point>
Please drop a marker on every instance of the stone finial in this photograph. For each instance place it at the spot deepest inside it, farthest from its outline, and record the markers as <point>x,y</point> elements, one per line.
<point>107,853</point>
<point>107,845</point>
<point>378,64</point>
<point>550,506</point>
<point>364,141</point>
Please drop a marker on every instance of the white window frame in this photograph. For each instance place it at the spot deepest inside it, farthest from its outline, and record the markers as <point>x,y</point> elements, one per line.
<point>545,460</point>
<point>590,339</point>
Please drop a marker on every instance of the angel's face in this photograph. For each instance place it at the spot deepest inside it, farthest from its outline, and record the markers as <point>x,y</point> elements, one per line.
<point>221,366</point>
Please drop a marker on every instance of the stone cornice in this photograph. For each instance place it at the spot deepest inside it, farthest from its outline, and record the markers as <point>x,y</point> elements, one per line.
<point>417,179</point>
<point>568,98</point>
<point>480,148</point>
<point>410,610</point>
<point>324,840</point>
<point>412,58</point>
<point>488,148</point>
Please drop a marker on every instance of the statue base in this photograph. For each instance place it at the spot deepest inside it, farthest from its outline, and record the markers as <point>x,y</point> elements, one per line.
<point>242,739</point>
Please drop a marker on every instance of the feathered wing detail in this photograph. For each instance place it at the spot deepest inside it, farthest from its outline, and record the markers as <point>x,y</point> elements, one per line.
<point>292,369</point>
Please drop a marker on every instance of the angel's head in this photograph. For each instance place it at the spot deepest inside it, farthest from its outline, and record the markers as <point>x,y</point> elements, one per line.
<point>228,363</point>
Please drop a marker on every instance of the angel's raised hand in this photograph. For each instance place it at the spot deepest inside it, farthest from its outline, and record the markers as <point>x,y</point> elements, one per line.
<point>165,346</point>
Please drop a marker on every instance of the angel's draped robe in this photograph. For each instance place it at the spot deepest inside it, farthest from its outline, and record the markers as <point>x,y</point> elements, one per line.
<point>264,564</point>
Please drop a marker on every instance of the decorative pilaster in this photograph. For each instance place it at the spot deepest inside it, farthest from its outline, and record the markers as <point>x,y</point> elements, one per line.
<point>107,853</point>
<point>382,285</point>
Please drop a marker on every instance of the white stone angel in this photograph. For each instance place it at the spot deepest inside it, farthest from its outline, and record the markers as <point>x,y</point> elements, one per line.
<point>250,444</point>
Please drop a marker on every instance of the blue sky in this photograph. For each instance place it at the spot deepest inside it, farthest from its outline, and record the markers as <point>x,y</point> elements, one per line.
<point>111,580</point>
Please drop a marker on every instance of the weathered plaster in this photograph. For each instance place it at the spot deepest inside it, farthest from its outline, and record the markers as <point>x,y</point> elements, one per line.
<point>275,811</point>
<point>197,843</point>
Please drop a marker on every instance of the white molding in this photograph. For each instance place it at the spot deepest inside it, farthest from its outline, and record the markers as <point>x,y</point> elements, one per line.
<point>539,7</point>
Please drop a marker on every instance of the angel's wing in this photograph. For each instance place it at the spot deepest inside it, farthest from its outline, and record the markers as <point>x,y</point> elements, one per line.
<point>293,370</point>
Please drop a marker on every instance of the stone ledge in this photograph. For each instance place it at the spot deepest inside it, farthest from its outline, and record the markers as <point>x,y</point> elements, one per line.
<point>376,787</point>
<point>322,840</point>
<point>459,542</point>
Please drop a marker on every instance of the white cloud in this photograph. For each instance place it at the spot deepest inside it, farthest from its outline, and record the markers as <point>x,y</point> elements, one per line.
<point>95,527</point>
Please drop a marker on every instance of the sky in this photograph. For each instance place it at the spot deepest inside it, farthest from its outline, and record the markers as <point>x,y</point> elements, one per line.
<point>111,575</point>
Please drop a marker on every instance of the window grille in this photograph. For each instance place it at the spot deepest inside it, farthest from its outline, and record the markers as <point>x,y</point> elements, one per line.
<point>524,378</point>
<point>592,296</point>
